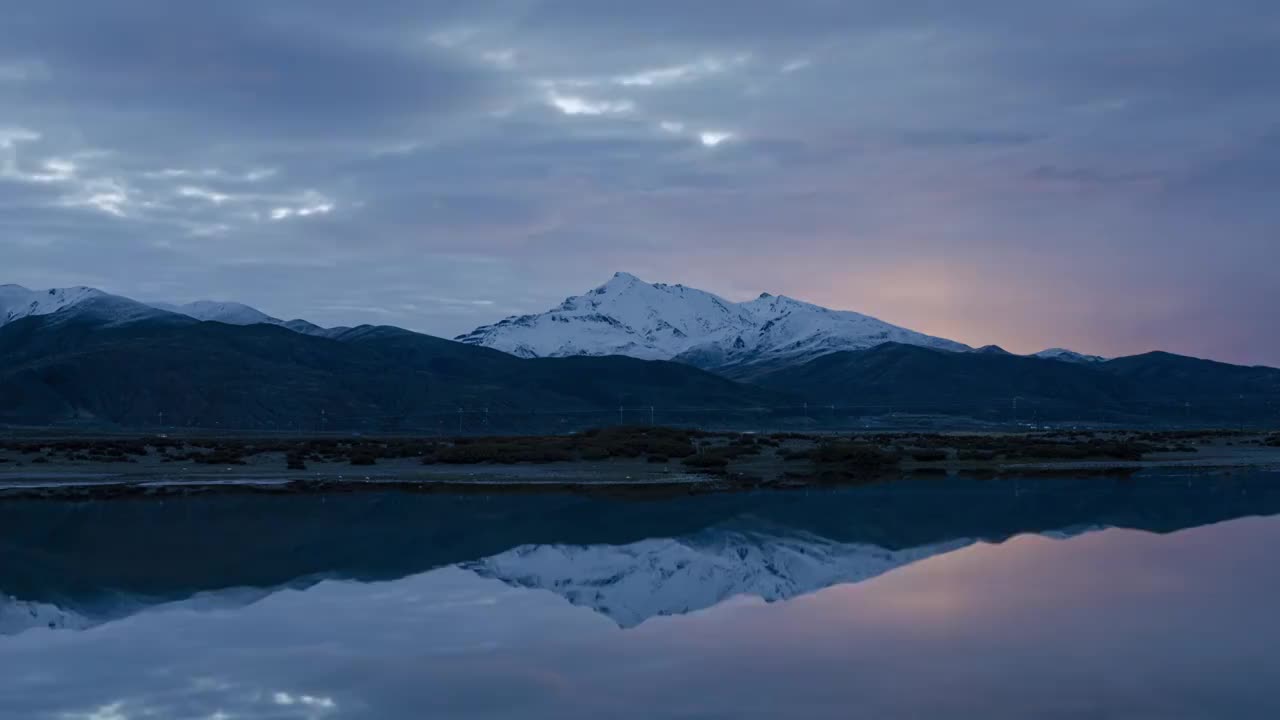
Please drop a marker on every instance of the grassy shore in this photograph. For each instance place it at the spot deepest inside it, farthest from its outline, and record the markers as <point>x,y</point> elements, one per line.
<point>639,459</point>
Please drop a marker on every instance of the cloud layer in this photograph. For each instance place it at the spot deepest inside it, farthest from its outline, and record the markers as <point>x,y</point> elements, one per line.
<point>1096,174</point>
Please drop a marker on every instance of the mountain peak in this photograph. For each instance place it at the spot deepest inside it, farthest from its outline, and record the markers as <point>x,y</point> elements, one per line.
<point>1066,355</point>
<point>621,281</point>
<point>628,316</point>
<point>992,350</point>
<point>80,301</point>
<point>17,302</point>
<point>234,313</point>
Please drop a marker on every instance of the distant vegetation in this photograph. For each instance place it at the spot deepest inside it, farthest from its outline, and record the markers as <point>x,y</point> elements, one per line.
<point>596,444</point>
<point>738,458</point>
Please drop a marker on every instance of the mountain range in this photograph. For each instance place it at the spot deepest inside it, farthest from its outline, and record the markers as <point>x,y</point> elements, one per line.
<point>103,363</point>
<point>624,316</point>
<point>80,355</point>
<point>17,302</point>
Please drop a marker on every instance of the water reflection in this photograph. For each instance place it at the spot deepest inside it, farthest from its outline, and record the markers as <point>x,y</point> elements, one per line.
<point>410,607</point>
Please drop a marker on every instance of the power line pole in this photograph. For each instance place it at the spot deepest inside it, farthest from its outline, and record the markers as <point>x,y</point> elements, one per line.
<point>651,422</point>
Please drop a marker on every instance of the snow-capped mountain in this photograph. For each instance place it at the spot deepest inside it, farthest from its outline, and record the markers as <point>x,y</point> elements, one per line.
<point>1067,356</point>
<point>234,313</point>
<point>1061,354</point>
<point>17,302</point>
<point>631,583</point>
<point>627,316</point>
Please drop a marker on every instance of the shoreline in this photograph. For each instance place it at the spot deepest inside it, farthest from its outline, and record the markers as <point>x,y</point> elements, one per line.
<point>57,486</point>
<point>634,461</point>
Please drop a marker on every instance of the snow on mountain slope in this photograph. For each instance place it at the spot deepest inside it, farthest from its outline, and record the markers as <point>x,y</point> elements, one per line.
<point>234,313</point>
<point>627,316</point>
<point>1067,356</point>
<point>631,583</point>
<point>17,302</point>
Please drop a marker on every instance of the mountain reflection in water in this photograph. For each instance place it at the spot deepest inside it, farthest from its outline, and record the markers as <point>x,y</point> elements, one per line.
<point>74,564</point>
<point>900,600</point>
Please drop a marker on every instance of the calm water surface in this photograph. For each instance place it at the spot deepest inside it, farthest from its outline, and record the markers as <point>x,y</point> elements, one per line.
<point>1157,597</point>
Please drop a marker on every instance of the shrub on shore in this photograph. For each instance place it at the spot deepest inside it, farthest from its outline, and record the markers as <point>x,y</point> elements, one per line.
<point>219,456</point>
<point>927,454</point>
<point>857,452</point>
<point>845,460</point>
<point>707,461</point>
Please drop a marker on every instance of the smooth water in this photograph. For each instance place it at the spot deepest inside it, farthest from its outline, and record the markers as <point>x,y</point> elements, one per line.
<point>1156,597</point>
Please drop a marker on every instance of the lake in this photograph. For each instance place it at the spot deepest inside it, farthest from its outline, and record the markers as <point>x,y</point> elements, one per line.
<point>1093,597</point>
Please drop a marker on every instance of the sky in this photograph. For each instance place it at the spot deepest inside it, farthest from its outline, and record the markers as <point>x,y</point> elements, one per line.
<point>1096,174</point>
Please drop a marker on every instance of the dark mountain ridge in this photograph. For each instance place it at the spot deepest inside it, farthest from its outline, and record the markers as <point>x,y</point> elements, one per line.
<point>1151,386</point>
<point>106,363</point>
<point>62,368</point>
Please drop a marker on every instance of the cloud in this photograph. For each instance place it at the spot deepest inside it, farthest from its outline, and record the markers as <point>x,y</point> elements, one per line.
<point>309,204</point>
<point>213,196</point>
<point>686,72</point>
<point>574,105</point>
<point>712,138</point>
<point>236,70</point>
